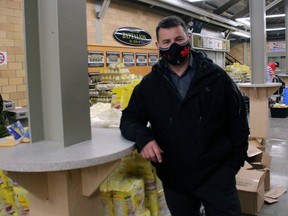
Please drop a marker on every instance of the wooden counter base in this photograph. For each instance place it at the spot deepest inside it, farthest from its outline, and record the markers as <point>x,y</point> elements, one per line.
<point>259,110</point>
<point>63,193</point>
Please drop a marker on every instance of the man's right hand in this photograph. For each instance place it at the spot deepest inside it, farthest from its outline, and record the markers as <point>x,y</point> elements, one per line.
<point>151,151</point>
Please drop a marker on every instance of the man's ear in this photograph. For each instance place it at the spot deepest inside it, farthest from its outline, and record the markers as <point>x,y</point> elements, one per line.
<point>157,44</point>
<point>190,37</point>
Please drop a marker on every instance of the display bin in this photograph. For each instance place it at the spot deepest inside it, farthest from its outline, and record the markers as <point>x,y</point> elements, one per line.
<point>279,112</point>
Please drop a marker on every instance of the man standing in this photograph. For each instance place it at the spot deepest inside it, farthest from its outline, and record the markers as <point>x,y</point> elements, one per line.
<point>197,136</point>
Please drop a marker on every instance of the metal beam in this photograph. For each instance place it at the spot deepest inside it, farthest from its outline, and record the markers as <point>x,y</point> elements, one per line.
<point>192,10</point>
<point>242,13</point>
<point>245,11</point>
<point>225,7</point>
<point>101,13</point>
<point>272,4</point>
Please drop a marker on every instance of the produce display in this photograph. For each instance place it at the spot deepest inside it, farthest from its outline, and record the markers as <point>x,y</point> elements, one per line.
<point>117,75</point>
<point>239,73</point>
<point>278,105</point>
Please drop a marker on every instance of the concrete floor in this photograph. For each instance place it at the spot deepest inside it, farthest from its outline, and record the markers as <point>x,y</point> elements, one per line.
<point>277,147</point>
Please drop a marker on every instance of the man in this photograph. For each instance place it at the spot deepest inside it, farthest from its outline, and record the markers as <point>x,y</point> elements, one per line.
<point>273,65</point>
<point>198,133</point>
<point>270,71</point>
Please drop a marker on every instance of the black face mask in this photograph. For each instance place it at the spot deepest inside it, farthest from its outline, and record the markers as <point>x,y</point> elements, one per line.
<point>176,53</point>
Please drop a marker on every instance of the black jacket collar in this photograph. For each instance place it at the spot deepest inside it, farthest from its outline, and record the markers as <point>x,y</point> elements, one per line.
<point>205,72</point>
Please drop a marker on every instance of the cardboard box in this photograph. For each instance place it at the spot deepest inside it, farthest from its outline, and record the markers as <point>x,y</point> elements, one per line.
<point>260,160</point>
<point>273,195</point>
<point>257,142</point>
<point>267,179</point>
<point>250,186</point>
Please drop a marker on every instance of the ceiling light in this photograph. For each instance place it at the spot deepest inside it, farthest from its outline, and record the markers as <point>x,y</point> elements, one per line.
<point>246,21</point>
<point>195,0</point>
<point>242,34</point>
<point>275,15</point>
<point>275,29</point>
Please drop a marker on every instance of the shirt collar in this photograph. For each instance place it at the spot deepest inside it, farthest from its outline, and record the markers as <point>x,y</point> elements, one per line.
<point>190,66</point>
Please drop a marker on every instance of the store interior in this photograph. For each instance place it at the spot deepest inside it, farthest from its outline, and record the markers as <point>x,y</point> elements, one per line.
<point>67,70</point>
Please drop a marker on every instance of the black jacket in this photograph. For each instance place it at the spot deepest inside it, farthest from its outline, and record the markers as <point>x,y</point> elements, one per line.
<point>207,129</point>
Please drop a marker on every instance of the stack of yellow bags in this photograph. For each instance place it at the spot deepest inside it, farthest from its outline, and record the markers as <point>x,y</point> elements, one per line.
<point>133,189</point>
<point>13,198</point>
<point>121,95</point>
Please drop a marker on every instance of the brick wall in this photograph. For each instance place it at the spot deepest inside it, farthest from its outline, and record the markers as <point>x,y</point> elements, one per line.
<point>91,21</point>
<point>119,14</point>
<point>12,75</point>
<point>237,52</point>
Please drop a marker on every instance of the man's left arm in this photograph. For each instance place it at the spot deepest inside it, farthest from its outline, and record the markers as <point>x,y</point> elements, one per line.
<point>238,127</point>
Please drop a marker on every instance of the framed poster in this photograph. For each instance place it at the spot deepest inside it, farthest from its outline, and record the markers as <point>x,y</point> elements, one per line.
<point>95,59</point>
<point>112,58</point>
<point>128,59</point>
<point>152,58</point>
<point>141,59</point>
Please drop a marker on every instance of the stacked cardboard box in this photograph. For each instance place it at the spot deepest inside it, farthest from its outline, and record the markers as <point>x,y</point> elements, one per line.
<point>254,178</point>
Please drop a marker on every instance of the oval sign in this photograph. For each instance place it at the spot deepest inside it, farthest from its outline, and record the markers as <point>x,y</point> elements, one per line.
<point>132,36</point>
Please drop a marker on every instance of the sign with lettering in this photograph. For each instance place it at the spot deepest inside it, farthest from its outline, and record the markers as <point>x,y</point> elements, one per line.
<point>132,36</point>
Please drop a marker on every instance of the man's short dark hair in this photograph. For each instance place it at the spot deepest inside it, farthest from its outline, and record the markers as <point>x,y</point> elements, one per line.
<point>168,22</point>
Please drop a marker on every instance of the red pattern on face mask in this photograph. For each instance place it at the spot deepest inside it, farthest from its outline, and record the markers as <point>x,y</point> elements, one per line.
<point>185,51</point>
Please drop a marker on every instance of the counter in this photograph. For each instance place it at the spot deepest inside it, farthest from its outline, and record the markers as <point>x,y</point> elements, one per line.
<point>259,111</point>
<point>64,181</point>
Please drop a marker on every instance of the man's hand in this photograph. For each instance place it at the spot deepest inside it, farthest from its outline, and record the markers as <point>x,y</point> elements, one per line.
<point>152,152</point>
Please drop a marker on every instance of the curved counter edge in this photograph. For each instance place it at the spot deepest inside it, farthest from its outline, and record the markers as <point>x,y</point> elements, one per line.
<point>46,156</point>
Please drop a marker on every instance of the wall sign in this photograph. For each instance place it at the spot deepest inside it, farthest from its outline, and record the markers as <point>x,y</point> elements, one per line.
<point>128,59</point>
<point>277,46</point>
<point>95,59</point>
<point>132,36</point>
<point>112,58</point>
<point>141,59</point>
<point>152,58</point>
<point>3,58</point>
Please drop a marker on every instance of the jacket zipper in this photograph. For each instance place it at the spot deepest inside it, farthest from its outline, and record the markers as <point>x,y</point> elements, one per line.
<point>200,120</point>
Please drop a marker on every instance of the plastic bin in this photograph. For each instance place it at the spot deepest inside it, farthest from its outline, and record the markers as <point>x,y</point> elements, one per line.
<point>279,112</point>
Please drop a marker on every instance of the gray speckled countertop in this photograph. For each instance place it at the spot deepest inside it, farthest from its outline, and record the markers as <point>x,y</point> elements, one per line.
<point>266,85</point>
<point>106,145</point>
